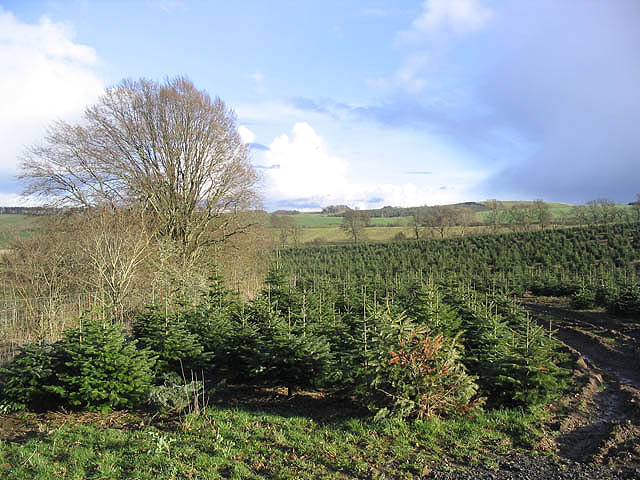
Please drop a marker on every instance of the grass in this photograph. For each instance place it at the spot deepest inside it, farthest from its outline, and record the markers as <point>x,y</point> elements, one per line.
<point>317,220</point>
<point>13,226</point>
<point>225,442</point>
<point>337,235</point>
<point>334,234</point>
<point>326,229</point>
<point>391,221</point>
<point>316,226</point>
<point>558,210</point>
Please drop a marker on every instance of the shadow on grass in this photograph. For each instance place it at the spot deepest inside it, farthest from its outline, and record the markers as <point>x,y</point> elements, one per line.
<point>20,427</point>
<point>322,407</point>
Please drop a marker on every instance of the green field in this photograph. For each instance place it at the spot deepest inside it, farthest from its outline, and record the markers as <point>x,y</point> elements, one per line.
<point>15,226</point>
<point>276,442</point>
<point>318,227</point>
<point>318,220</point>
<point>335,234</point>
<point>323,228</point>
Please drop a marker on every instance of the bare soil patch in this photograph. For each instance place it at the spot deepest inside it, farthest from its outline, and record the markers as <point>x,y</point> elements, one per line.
<point>599,424</point>
<point>20,426</point>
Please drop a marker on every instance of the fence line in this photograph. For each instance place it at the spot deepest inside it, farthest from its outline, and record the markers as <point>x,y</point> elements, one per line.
<point>29,319</point>
<point>25,320</point>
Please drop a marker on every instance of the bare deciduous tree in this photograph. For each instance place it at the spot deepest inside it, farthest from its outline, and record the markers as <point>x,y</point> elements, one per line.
<point>168,148</point>
<point>495,216</point>
<point>112,248</point>
<point>463,217</point>
<point>520,217</point>
<point>287,228</point>
<point>635,206</point>
<point>38,268</point>
<point>542,213</point>
<point>440,218</point>
<point>601,210</point>
<point>354,222</point>
<point>417,222</point>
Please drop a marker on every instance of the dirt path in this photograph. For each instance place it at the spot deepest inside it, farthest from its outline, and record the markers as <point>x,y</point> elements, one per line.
<point>601,423</point>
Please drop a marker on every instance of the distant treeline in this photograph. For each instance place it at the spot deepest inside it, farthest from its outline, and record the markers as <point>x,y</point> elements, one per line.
<point>286,212</point>
<point>388,211</point>
<point>28,210</point>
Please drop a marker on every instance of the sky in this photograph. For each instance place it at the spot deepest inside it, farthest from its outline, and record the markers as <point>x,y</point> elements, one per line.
<point>360,102</point>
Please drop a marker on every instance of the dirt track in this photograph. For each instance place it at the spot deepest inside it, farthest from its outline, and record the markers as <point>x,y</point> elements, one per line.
<point>596,434</point>
<point>601,423</point>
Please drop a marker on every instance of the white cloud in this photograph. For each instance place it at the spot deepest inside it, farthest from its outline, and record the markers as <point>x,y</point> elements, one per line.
<point>307,170</point>
<point>246,135</point>
<point>431,35</point>
<point>459,17</point>
<point>258,79</point>
<point>16,200</point>
<point>45,76</point>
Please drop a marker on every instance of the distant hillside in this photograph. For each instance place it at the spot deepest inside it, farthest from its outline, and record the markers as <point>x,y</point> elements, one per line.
<point>523,203</point>
<point>388,211</point>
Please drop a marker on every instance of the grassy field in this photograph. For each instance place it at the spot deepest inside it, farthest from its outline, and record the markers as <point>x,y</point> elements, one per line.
<point>321,228</point>
<point>274,441</point>
<point>14,226</point>
<point>334,234</point>
<point>379,234</point>
<point>318,220</point>
<point>315,226</point>
<point>558,210</point>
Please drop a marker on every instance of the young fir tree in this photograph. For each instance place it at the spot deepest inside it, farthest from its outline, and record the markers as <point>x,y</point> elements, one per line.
<point>168,336</point>
<point>98,368</point>
<point>22,381</point>
<point>417,372</point>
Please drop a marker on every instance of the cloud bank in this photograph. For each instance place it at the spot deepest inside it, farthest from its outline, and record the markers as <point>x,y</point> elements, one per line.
<point>46,76</point>
<point>553,105</point>
<point>438,17</point>
<point>301,172</point>
<point>567,78</point>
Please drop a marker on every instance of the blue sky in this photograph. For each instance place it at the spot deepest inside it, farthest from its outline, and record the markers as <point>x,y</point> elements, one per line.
<point>367,103</point>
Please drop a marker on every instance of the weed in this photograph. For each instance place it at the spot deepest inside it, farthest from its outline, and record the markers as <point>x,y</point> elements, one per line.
<point>160,443</point>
